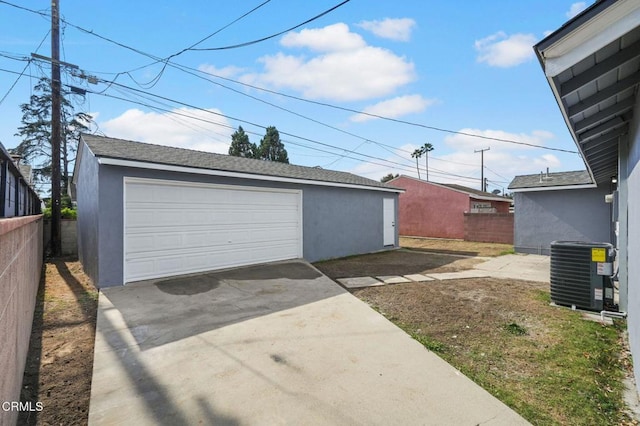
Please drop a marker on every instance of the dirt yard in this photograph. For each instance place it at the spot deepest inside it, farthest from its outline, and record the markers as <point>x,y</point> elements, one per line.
<point>60,360</point>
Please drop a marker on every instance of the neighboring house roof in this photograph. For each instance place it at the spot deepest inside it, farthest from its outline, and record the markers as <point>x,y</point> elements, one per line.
<point>25,170</point>
<point>592,64</point>
<point>473,193</point>
<point>552,181</point>
<point>143,155</point>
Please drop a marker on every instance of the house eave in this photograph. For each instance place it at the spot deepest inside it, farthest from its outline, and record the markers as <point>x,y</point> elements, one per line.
<point>592,65</point>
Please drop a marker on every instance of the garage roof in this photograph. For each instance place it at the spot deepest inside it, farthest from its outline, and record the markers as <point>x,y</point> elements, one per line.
<point>143,155</point>
<point>552,181</point>
<point>592,64</point>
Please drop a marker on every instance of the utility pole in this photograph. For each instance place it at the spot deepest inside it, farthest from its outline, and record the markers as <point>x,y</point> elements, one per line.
<point>483,184</point>
<point>56,242</point>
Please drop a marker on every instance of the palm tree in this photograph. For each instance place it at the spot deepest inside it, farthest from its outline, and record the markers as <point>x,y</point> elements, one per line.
<point>426,149</point>
<point>417,154</point>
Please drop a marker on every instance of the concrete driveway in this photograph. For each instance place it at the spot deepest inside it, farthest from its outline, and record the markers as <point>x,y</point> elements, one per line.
<point>274,344</point>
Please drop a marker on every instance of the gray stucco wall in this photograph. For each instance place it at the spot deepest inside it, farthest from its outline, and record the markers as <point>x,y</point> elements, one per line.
<point>631,158</point>
<point>89,213</point>
<point>568,215</point>
<point>336,221</point>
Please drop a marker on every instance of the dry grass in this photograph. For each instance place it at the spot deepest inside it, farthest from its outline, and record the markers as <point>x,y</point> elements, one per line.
<point>456,246</point>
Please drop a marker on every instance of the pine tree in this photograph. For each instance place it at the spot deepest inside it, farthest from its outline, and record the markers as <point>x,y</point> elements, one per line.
<point>35,132</point>
<point>271,147</point>
<point>241,146</point>
<point>388,177</point>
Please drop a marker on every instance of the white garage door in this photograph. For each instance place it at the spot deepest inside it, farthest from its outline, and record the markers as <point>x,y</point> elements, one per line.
<point>173,228</point>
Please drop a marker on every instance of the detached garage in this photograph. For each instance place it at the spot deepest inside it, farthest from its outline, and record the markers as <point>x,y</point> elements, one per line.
<point>148,211</point>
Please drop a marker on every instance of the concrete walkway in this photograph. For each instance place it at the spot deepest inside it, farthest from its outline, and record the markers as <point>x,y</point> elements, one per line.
<point>529,267</point>
<point>275,344</point>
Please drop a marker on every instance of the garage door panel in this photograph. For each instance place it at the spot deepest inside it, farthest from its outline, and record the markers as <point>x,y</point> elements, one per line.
<point>176,228</point>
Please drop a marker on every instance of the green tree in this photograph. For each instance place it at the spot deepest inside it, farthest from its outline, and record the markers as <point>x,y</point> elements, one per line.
<point>241,146</point>
<point>417,154</point>
<point>271,147</point>
<point>35,132</point>
<point>388,177</point>
<point>426,149</point>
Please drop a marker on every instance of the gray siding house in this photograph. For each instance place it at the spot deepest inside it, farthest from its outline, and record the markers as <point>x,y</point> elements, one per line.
<point>592,64</point>
<point>559,206</point>
<point>148,211</point>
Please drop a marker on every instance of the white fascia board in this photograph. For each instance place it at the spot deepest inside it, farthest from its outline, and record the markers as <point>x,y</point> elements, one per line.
<point>555,188</point>
<point>210,172</point>
<point>606,27</point>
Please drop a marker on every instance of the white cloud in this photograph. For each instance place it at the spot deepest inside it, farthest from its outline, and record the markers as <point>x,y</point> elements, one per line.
<point>461,141</point>
<point>226,72</point>
<point>456,162</point>
<point>396,107</point>
<point>576,8</point>
<point>346,70</point>
<point>332,38</point>
<point>393,29</point>
<point>501,50</point>
<point>172,130</point>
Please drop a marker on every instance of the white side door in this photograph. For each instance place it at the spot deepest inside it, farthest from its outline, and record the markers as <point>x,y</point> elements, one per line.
<point>389,221</point>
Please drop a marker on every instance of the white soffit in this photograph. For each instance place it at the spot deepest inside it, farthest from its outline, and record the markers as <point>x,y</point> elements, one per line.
<point>606,27</point>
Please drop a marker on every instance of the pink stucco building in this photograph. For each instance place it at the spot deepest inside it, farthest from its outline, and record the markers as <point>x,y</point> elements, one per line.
<point>437,210</point>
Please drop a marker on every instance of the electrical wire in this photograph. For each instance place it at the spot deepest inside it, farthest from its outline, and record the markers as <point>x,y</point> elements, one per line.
<point>298,98</point>
<point>367,156</point>
<point>15,82</point>
<point>264,127</point>
<point>28,60</point>
<point>370,158</point>
<point>249,43</point>
<point>405,122</point>
<point>155,80</point>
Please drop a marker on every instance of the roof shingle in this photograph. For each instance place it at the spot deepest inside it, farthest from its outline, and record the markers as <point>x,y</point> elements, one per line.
<point>107,147</point>
<point>580,177</point>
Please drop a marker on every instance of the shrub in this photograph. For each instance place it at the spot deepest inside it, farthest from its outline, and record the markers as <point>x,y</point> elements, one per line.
<point>65,213</point>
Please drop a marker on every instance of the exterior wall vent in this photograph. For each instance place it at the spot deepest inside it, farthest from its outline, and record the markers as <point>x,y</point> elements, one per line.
<point>581,275</point>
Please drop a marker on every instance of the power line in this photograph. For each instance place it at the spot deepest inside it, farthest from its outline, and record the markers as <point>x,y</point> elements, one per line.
<point>28,60</point>
<point>367,156</point>
<point>249,43</point>
<point>218,31</point>
<point>15,82</point>
<point>264,127</point>
<point>439,129</point>
<point>425,126</point>
<point>181,67</point>
<point>155,80</point>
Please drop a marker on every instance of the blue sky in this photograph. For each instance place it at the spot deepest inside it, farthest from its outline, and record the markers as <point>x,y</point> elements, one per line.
<point>457,66</point>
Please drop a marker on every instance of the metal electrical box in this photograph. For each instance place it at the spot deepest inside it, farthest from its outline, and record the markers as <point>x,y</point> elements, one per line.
<point>581,275</point>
